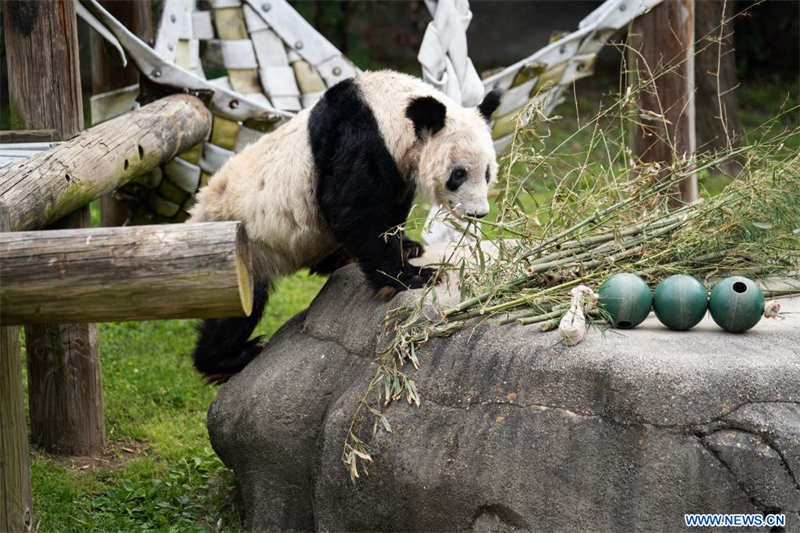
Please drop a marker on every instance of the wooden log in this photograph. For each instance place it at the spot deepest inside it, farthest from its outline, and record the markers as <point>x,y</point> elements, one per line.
<point>45,93</point>
<point>16,507</point>
<point>108,74</point>
<point>49,185</point>
<point>663,44</point>
<point>129,273</point>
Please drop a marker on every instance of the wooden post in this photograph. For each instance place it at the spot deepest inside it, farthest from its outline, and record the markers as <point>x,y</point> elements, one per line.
<point>718,124</point>
<point>65,396</point>
<point>157,272</point>
<point>109,74</point>
<point>664,40</point>
<point>66,402</point>
<point>16,507</point>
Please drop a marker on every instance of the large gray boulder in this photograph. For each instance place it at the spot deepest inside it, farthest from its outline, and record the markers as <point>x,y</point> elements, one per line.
<point>626,431</point>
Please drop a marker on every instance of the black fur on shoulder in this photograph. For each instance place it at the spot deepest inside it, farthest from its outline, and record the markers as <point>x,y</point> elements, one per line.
<point>428,114</point>
<point>490,104</point>
<point>360,191</point>
<point>222,347</point>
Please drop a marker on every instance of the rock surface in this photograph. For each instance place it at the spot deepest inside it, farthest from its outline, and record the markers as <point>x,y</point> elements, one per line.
<point>626,431</point>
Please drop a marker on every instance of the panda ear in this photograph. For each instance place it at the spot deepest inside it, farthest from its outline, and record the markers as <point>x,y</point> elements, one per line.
<point>428,114</point>
<point>490,104</point>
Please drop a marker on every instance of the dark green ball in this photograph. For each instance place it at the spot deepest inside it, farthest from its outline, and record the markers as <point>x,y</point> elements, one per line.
<point>736,304</point>
<point>680,302</point>
<point>627,299</point>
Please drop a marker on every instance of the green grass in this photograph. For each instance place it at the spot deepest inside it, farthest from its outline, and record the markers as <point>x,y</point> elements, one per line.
<point>156,403</point>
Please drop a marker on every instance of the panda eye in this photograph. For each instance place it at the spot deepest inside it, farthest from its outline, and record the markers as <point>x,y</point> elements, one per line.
<point>457,177</point>
<point>488,177</point>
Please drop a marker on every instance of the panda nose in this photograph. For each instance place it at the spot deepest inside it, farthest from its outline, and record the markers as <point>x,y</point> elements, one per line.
<point>477,215</point>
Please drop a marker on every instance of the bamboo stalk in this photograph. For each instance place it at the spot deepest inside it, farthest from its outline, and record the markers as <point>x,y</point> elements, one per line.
<point>539,318</point>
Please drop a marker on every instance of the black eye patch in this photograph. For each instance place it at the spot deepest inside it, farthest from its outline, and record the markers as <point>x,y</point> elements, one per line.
<point>457,177</point>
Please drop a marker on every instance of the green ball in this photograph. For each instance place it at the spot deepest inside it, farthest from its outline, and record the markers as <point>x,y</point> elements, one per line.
<point>736,304</point>
<point>627,299</point>
<point>680,302</point>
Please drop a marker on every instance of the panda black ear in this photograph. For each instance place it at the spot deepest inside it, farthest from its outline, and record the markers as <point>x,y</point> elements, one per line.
<point>490,104</point>
<point>428,114</point>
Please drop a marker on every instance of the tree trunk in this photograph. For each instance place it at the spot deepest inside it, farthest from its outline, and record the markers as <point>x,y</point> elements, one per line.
<point>665,39</point>
<point>715,75</point>
<point>108,74</point>
<point>16,504</point>
<point>133,273</point>
<point>45,93</point>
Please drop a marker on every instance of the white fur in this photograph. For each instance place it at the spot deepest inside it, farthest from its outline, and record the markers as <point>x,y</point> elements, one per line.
<point>465,141</point>
<point>270,186</point>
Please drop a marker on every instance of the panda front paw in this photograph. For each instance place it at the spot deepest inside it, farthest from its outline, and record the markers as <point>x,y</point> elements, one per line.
<point>411,248</point>
<point>411,278</point>
<point>416,278</point>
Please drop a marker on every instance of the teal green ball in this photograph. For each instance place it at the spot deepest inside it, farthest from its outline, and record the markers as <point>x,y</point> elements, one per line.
<point>627,299</point>
<point>736,304</point>
<point>680,302</point>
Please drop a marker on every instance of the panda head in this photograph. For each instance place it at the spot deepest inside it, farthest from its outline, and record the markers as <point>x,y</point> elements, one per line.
<point>456,157</point>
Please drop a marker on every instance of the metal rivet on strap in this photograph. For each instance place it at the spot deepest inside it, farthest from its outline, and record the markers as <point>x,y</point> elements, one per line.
<point>623,7</point>
<point>337,71</point>
<point>234,104</point>
<point>299,45</point>
<point>171,47</point>
<point>563,49</point>
<point>173,18</point>
<point>155,73</point>
<point>265,7</point>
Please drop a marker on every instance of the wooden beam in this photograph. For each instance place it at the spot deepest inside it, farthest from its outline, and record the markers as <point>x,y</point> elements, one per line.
<point>28,136</point>
<point>16,506</point>
<point>129,273</point>
<point>45,93</point>
<point>49,185</point>
<point>663,46</point>
<point>108,74</point>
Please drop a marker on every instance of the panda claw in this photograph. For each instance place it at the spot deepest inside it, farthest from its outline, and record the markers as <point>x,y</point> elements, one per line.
<point>412,249</point>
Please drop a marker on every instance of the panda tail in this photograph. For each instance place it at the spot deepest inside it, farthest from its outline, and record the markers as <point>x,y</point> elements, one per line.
<point>223,348</point>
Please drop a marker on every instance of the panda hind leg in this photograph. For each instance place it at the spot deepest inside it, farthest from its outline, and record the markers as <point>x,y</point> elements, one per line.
<point>223,348</point>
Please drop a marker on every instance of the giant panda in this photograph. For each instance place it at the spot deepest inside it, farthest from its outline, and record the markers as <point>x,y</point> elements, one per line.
<point>337,178</point>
